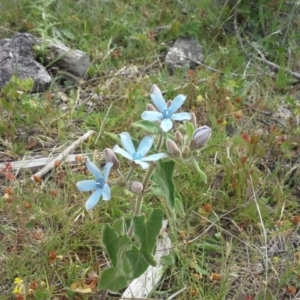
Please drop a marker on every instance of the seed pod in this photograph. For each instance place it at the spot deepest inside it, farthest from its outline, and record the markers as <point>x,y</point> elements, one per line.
<point>200,137</point>
<point>179,138</point>
<point>136,187</point>
<point>110,156</point>
<point>150,107</point>
<point>186,152</point>
<point>155,90</point>
<point>194,120</point>
<point>173,148</point>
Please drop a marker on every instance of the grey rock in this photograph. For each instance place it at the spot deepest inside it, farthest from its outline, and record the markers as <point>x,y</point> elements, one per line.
<point>75,62</point>
<point>186,51</point>
<point>17,58</point>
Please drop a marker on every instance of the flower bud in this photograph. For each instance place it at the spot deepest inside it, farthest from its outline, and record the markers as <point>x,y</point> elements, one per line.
<point>200,137</point>
<point>179,138</point>
<point>182,129</point>
<point>194,120</point>
<point>173,148</point>
<point>110,156</point>
<point>169,103</point>
<point>186,152</point>
<point>136,187</point>
<point>155,90</point>
<point>150,107</point>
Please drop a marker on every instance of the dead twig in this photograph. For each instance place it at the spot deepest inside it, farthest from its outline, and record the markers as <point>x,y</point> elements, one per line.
<point>261,56</point>
<point>62,156</point>
<point>276,67</point>
<point>34,163</point>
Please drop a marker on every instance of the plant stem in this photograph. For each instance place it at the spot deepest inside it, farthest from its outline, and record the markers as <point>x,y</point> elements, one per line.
<point>159,144</point>
<point>140,197</point>
<point>129,173</point>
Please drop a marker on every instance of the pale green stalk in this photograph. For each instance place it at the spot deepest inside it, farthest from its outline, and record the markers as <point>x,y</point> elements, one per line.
<point>140,197</point>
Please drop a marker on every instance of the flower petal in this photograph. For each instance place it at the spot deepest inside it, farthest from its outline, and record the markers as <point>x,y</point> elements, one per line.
<point>152,115</point>
<point>107,170</point>
<point>127,142</point>
<point>93,169</point>
<point>86,185</point>
<point>144,165</point>
<point>106,192</point>
<point>155,157</point>
<point>145,144</point>
<point>177,102</point>
<point>181,116</point>
<point>159,101</point>
<point>93,199</point>
<point>166,124</point>
<point>121,151</point>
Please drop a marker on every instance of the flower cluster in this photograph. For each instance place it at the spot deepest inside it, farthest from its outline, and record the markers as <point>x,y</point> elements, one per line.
<point>166,114</point>
<point>163,112</point>
<point>178,148</point>
<point>19,286</point>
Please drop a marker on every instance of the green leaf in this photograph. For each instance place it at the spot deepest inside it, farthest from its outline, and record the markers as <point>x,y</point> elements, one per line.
<point>147,230</point>
<point>113,136</point>
<point>199,269</point>
<point>137,261</point>
<point>116,189</point>
<point>200,172</point>
<point>114,243</point>
<point>119,225</point>
<point>179,210</point>
<point>111,281</point>
<point>148,126</point>
<point>67,34</point>
<point>168,260</point>
<point>162,180</point>
<point>190,129</point>
<point>30,224</point>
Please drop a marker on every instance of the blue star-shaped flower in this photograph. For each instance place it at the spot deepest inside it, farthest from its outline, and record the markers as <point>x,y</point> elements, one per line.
<point>100,185</point>
<point>166,114</point>
<point>138,156</point>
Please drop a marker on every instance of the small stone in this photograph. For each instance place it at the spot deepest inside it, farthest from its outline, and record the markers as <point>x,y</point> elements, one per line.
<point>186,51</point>
<point>17,58</point>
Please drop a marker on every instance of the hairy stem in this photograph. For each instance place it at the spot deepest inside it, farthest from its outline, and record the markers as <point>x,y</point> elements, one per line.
<point>130,173</point>
<point>139,200</point>
<point>140,197</point>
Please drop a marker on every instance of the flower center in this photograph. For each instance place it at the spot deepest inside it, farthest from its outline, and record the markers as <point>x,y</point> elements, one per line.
<point>166,113</point>
<point>137,155</point>
<point>100,183</point>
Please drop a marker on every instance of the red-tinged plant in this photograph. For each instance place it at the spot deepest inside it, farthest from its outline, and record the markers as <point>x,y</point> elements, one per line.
<point>33,285</point>
<point>296,220</point>
<point>27,204</point>
<point>291,290</point>
<point>243,159</point>
<point>207,208</point>
<point>57,163</point>
<point>8,191</point>
<point>245,136</point>
<point>52,255</point>
<point>7,171</point>
<point>37,178</point>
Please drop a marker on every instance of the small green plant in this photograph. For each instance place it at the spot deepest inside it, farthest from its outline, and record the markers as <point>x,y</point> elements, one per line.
<point>130,247</point>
